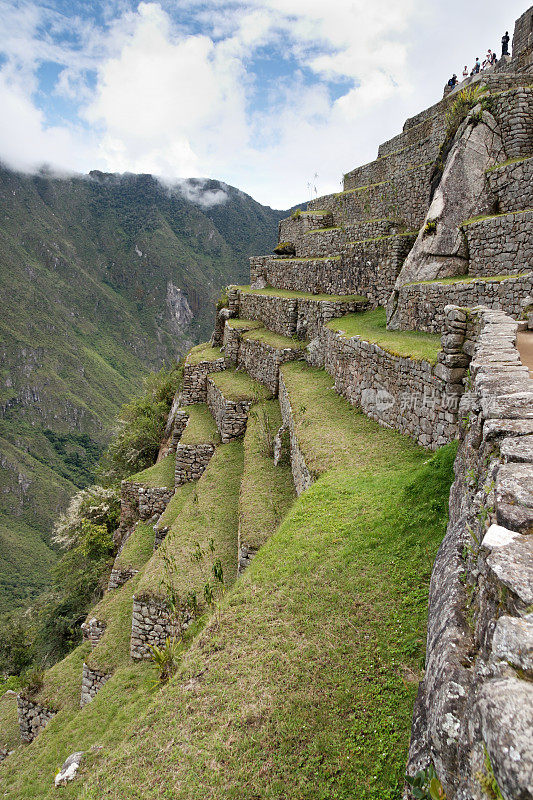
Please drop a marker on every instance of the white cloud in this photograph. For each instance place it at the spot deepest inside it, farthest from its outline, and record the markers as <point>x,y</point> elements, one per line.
<point>168,99</point>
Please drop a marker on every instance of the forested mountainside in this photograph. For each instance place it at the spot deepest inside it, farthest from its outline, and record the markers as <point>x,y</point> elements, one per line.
<point>102,278</point>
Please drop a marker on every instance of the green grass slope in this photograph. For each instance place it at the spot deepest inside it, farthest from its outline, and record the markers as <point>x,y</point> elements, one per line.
<point>99,277</point>
<point>303,687</point>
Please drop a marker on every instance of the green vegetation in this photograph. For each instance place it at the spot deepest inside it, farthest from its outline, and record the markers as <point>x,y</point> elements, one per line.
<point>321,230</point>
<point>9,725</point>
<point>210,513</point>
<point>113,649</point>
<point>201,427</point>
<point>61,685</point>
<point>140,426</point>
<point>138,548</point>
<point>246,324</point>
<point>203,352</point>
<point>275,339</point>
<point>371,326</point>
<point>177,501</point>
<point>280,695</point>
<point>284,249</point>
<point>85,267</point>
<point>236,385</point>
<point>270,291</point>
<point>384,238</point>
<point>508,163</point>
<point>483,217</point>
<point>266,490</point>
<point>470,279</point>
<point>158,475</point>
<point>322,258</point>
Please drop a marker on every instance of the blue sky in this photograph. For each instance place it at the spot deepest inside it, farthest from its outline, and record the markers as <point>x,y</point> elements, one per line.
<point>262,94</point>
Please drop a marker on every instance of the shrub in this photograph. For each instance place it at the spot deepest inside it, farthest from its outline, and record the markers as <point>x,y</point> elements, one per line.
<point>285,249</point>
<point>430,227</point>
<point>165,658</point>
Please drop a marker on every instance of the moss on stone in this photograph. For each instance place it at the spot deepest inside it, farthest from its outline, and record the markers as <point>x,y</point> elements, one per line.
<point>483,217</point>
<point>287,294</point>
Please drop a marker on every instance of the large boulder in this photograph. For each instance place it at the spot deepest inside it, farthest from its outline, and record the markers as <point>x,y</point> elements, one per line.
<point>440,249</point>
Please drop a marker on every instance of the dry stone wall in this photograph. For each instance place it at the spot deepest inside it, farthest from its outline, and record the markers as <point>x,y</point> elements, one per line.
<point>191,461</point>
<point>512,185</point>
<point>393,164</point>
<point>476,698</point>
<point>91,683</point>
<point>119,576</point>
<point>194,386</point>
<point>92,631</point>
<point>262,361</point>
<point>376,263</point>
<point>514,112</point>
<point>230,416</point>
<point>421,305</point>
<point>501,245</point>
<point>152,623</point>
<point>301,474</point>
<point>33,717</point>
<point>416,398</point>
<point>144,502</point>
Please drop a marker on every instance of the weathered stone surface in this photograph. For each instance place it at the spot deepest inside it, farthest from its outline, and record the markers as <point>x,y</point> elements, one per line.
<point>69,769</point>
<point>93,630</point>
<point>513,566</point>
<point>91,683</point>
<point>33,717</point>
<point>513,642</point>
<point>505,710</point>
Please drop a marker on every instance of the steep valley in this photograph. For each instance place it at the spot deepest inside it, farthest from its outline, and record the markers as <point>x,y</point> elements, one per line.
<point>103,277</point>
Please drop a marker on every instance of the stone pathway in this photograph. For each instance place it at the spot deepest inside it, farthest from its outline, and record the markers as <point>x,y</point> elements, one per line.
<point>524,343</point>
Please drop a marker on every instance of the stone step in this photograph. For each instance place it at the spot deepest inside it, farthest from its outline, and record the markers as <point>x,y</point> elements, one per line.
<point>500,244</point>
<point>230,396</point>
<point>291,314</point>
<point>421,305</point>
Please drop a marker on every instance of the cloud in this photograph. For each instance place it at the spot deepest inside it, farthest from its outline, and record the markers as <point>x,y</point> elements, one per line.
<point>262,94</point>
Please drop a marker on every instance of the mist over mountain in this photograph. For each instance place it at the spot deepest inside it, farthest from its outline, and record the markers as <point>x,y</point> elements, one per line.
<point>103,277</point>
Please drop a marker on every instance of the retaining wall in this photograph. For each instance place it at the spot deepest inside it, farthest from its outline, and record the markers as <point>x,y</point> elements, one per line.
<point>191,461</point>
<point>375,264</point>
<point>501,245</point>
<point>416,398</point>
<point>33,717</point>
<point>91,683</point>
<point>119,576</point>
<point>301,474</point>
<point>421,305</point>
<point>144,502</point>
<point>194,387</point>
<point>476,699</point>
<point>262,361</point>
<point>230,416</point>
<point>151,625</point>
<point>92,630</point>
<point>512,185</point>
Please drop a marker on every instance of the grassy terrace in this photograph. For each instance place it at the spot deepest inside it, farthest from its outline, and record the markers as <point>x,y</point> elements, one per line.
<point>304,687</point>
<point>203,352</point>
<point>266,491</point>
<point>138,548</point>
<point>508,163</point>
<point>371,326</point>
<point>9,726</point>
<point>62,682</point>
<point>160,475</point>
<point>175,505</point>
<point>275,340</point>
<point>470,279</point>
<point>211,512</point>
<point>243,324</point>
<point>201,428</point>
<point>271,291</point>
<point>484,217</point>
<point>383,238</point>
<point>113,649</point>
<point>237,385</point>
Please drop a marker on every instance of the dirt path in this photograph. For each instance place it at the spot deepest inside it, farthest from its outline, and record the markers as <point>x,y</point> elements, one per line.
<point>524,342</point>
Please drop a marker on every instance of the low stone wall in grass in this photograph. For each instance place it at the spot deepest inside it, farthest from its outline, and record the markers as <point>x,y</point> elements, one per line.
<point>191,461</point>
<point>300,472</point>
<point>194,387</point>
<point>160,535</point>
<point>473,715</point>
<point>91,683</point>
<point>501,245</point>
<point>421,305</point>
<point>230,416</point>
<point>93,630</point>
<point>291,229</point>
<point>33,717</point>
<point>414,397</point>
<point>320,243</point>
<point>512,185</point>
<point>151,625</point>
<point>303,317</point>
<point>262,361</point>
<point>144,502</point>
<point>119,576</point>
